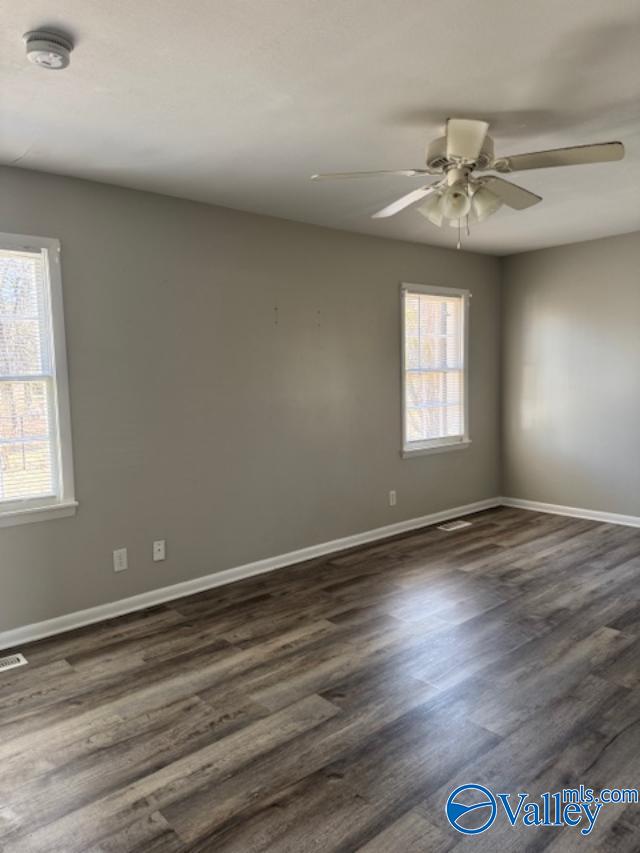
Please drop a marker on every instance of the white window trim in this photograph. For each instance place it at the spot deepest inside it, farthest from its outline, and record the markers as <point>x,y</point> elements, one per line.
<point>435,445</point>
<point>64,504</point>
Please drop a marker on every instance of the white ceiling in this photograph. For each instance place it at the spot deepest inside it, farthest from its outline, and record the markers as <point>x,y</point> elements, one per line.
<point>236,102</point>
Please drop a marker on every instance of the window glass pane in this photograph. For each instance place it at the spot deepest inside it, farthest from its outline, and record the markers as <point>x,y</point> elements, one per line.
<point>425,423</point>
<point>23,338</point>
<point>434,366</point>
<point>20,347</point>
<point>19,274</point>
<point>25,470</point>
<point>28,437</point>
<point>427,388</point>
<point>24,411</point>
<point>412,336</point>
<point>454,423</point>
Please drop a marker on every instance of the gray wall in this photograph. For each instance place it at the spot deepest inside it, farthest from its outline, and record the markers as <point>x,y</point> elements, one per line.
<point>571,375</point>
<point>203,415</point>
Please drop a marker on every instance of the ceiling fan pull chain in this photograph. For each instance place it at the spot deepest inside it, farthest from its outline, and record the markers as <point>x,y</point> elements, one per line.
<point>459,241</point>
<point>468,231</point>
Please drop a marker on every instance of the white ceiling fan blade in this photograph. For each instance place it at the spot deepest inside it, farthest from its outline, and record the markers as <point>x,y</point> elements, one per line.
<point>603,152</point>
<point>511,194</point>
<point>405,173</point>
<point>401,203</point>
<point>465,138</point>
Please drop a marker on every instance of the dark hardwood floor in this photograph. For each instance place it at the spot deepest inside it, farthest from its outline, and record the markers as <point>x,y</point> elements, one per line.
<point>334,705</point>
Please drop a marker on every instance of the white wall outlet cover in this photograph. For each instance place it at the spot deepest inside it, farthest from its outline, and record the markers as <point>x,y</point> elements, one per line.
<point>159,550</point>
<point>392,498</point>
<point>120,560</point>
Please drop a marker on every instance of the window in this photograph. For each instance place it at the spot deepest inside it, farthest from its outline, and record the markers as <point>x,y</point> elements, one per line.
<point>434,333</point>
<point>36,470</point>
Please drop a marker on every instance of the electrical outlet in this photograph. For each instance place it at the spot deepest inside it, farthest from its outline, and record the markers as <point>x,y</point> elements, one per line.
<point>159,550</point>
<point>392,497</point>
<point>120,561</point>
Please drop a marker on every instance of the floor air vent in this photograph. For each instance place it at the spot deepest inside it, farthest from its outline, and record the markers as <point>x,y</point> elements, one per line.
<point>11,661</point>
<point>454,525</point>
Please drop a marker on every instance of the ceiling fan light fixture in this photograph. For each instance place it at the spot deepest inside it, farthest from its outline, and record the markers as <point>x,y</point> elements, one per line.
<point>456,203</point>
<point>431,210</point>
<point>484,203</point>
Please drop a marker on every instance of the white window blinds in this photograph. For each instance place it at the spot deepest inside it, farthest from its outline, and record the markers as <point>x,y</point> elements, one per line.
<point>434,332</point>
<point>31,456</point>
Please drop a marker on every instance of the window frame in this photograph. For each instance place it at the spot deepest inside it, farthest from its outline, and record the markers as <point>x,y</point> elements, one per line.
<point>441,444</point>
<point>63,503</point>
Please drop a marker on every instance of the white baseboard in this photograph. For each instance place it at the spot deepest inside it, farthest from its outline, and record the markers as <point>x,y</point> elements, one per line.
<point>573,511</point>
<point>60,624</point>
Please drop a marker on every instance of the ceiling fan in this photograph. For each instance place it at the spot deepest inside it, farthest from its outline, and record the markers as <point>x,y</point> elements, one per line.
<point>461,195</point>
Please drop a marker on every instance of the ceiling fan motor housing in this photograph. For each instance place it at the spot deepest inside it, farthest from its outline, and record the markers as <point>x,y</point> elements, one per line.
<point>437,155</point>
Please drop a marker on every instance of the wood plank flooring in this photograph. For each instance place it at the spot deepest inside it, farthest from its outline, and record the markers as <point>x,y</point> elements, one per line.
<point>333,706</point>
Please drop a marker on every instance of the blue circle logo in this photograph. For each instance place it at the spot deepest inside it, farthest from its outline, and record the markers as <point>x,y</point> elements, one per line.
<point>460,804</point>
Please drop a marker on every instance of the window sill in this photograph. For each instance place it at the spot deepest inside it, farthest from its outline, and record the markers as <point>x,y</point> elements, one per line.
<point>436,448</point>
<point>28,515</point>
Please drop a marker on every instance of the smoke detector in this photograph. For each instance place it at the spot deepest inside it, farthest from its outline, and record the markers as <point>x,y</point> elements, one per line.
<point>48,49</point>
